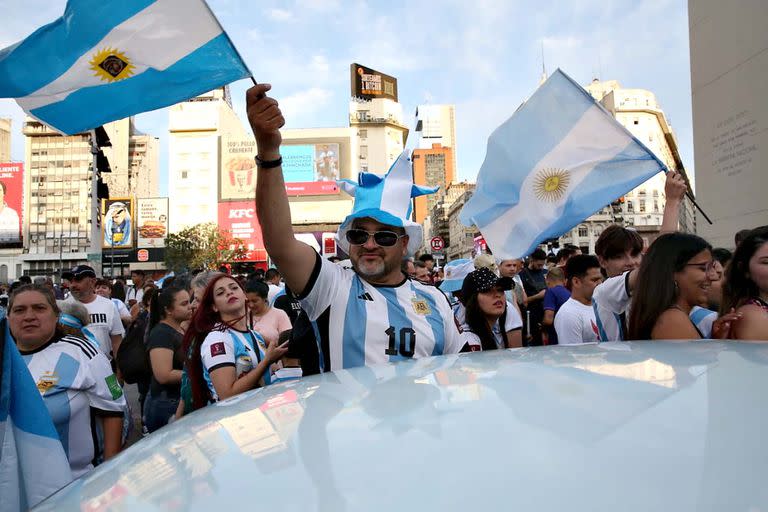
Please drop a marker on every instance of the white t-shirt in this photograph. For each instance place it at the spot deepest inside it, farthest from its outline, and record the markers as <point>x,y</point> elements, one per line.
<point>76,381</point>
<point>122,310</point>
<point>575,323</point>
<point>363,324</point>
<point>133,293</point>
<point>105,322</point>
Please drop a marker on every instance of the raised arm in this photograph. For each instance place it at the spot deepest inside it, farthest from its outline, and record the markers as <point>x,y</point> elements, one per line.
<point>674,190</point>
<point>295,260</point>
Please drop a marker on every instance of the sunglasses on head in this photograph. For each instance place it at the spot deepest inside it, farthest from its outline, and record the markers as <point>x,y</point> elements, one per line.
<point>382,238</point>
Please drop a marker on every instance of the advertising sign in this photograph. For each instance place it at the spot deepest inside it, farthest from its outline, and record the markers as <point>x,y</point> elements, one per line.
<point>11,204</point>
<point>239,219</point>
<point>308,169</point>
<point>151,222</point>
<point>117,223</point>
<point>238,169</point>
<point>368,83</point>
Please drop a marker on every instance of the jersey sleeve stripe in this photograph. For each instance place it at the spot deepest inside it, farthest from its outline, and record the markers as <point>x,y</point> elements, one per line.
<point>312,278</point>
<point>82,345</point>
<point>434,318</point>
<point>220,365</point>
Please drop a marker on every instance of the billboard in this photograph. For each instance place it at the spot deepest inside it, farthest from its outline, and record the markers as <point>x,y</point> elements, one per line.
<point>238,169</point>
<point>368,84</point>
<point>151,222</point>
<point>239,219</point>
<point>11,204</point>
<point>117,223</point>
<point>308,169</point>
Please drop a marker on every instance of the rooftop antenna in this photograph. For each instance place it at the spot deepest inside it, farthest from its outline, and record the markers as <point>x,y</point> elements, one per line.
<point>543,66</point>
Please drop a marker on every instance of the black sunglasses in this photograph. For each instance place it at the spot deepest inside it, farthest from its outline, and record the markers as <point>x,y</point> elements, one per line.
<point>382,238</point>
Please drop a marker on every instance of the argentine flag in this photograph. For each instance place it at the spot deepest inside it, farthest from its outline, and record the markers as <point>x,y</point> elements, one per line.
<point>560,158</point>
<point>33,464</point>
<point>109,59</point>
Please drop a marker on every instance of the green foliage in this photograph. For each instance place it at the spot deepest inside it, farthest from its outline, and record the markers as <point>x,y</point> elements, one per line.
<point>203,246</point>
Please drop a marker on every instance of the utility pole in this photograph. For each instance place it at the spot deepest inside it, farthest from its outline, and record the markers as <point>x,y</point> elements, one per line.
<point>95,247</point>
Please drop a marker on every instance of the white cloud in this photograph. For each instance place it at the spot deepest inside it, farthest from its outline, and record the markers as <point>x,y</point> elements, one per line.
<point>303,104</point>
<point>280,14</point>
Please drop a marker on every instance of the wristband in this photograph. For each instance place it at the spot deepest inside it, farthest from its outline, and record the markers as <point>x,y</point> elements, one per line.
<point>269,164</point>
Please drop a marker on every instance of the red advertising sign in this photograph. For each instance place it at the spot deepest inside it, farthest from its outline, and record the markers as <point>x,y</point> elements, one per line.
<point>239,219</point>
<point>11,203</point>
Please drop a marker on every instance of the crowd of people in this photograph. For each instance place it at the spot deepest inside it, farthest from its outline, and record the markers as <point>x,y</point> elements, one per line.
<point>202,337</point>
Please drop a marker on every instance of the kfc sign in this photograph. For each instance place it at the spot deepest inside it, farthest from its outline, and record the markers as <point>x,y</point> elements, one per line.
<point>243,213</point>
<point>239,219</point>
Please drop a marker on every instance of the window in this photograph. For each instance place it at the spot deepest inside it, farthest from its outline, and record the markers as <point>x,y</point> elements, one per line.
<point>363,134</point>
<point>636,121</point>
<point>656,206</point>
<point>184,175</point>
<point>630,207</point>
<point>642,205</point>
<point>363,152</point>
<point>583,231</point>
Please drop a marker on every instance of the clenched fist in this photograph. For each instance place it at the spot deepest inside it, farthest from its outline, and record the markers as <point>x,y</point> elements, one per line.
<point>266,120</point>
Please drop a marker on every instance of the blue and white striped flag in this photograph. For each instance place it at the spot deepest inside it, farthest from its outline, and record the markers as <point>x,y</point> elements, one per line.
<point>560,158</point>
<point>33,464</point>
<point>109,59</point>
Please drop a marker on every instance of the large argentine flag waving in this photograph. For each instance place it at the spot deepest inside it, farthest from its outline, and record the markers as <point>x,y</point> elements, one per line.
<point>33,464</point>
<point>559,159</point>
<point>108,59</point>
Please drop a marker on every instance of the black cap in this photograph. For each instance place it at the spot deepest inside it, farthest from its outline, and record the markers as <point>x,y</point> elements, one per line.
<point>482,280</point>
<point>82,271</point>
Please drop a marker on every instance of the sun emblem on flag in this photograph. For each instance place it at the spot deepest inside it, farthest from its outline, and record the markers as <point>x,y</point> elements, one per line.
<point>550,184</point>
<point>111,65</point>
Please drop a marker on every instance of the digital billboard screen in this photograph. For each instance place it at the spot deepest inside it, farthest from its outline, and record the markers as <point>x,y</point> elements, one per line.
<point>239,219</point>
<point>368,84</point>
<point>11,204</point>
<point>308,169</point>
<point>152,222</point>
<point>117,223</point>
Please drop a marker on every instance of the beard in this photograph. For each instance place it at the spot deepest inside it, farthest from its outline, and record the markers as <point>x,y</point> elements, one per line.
<point>373,269</point>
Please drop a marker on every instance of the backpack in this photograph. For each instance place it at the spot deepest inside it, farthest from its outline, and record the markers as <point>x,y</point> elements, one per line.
<point>132,358</point>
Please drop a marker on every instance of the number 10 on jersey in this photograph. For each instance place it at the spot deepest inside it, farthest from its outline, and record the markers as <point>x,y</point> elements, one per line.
<point>407,339</point>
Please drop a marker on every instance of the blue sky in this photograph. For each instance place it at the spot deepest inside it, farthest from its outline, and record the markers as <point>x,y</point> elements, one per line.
<point>483,56</point>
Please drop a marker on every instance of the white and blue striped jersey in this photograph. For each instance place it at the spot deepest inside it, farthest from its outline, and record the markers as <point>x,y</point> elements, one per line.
<point>703,319</point>
<point>362,324</point>
<point>230,347</point>
<point>612,302</point>
<point>76,381</point>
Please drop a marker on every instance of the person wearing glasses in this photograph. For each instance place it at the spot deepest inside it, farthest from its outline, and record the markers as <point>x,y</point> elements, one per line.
<point>674,277</point>
<point>372,313</point>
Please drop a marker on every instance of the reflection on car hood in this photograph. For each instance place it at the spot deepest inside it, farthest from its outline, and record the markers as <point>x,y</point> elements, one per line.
<point>628,426</point>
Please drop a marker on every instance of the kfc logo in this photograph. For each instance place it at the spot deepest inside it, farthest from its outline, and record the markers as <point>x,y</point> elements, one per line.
<point>245,213</point>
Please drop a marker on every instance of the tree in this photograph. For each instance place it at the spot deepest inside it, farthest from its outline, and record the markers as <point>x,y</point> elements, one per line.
<point>203,246</point>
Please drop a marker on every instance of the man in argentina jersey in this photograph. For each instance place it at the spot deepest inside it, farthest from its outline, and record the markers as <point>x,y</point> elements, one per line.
<point>76,382</point>
<point>372,313</point>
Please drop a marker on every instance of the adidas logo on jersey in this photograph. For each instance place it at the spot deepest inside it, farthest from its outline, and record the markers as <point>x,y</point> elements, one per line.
<point>365,296</point>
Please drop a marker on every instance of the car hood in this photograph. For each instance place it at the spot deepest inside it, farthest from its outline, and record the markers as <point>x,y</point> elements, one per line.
<point>630,426</point>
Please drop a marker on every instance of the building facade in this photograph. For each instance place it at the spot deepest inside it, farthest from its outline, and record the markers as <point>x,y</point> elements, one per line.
<point>58,232</point>
<point>643,207</point>
<point>436,223</point>
<point>729,69</point>
<point>436,124</point>
<point>380,132</point>
<point>196,127</point>
<point>5,139</point>
<point>461,237</point>
<point>434,167</point>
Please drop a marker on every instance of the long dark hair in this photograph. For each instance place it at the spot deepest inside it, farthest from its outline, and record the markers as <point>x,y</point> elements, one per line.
<point>203,322</point>
<point>655,291</point>
<point>162,302</point>
<point>478,324</point>
<point>738,287</point>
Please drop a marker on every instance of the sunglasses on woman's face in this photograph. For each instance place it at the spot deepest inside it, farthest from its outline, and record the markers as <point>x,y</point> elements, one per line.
<point>382,238</point>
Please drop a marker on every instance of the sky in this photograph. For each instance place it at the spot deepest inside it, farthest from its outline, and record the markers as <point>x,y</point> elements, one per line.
<point>484,56</point>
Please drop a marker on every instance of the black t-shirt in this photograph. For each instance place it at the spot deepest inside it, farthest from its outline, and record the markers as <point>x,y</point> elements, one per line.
<point>164,336</point>
<point>534,281</point>
<point>288,303</point>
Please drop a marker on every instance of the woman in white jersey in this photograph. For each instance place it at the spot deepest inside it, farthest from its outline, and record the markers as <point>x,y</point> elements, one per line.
<point>74,378</point>
<point>482,294</point>
<point>224,356</point>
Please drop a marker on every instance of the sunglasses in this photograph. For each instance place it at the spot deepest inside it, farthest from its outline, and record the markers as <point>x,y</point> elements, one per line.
<point>382,238</point>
